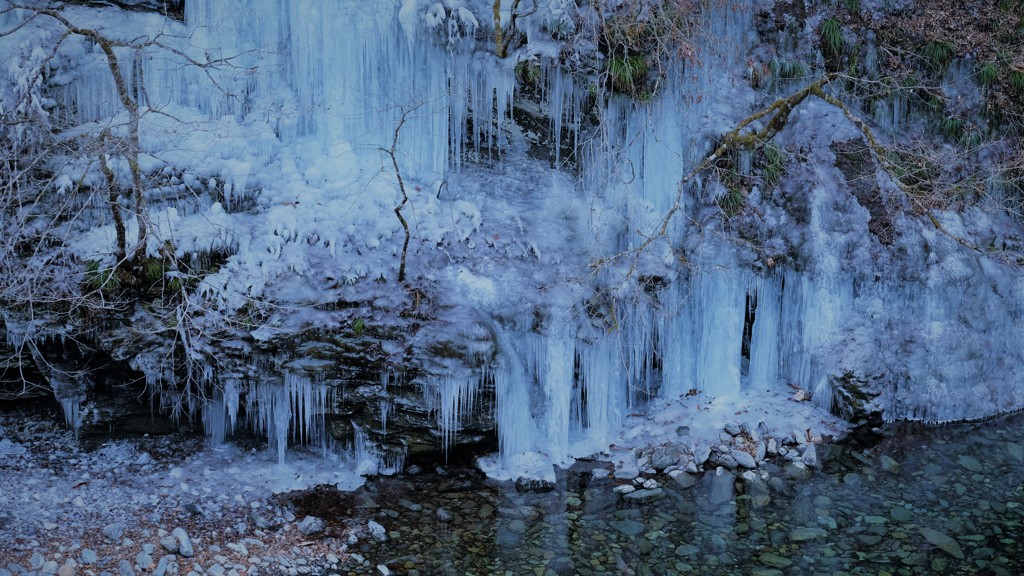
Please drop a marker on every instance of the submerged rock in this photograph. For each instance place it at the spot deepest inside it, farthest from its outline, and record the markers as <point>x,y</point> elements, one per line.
<point>942,542</point>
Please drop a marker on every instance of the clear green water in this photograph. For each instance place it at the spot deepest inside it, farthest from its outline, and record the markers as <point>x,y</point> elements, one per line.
<point>950,501</point>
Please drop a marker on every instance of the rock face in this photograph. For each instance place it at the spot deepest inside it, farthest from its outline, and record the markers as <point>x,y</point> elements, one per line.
<point>813,234</point>
<point>173,8</point>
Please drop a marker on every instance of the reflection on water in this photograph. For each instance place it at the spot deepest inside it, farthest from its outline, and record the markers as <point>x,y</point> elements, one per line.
<point>945,500</point>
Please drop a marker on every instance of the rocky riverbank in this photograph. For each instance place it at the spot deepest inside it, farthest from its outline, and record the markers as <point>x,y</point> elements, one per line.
<point>178,504</point>
<point>160,505</point>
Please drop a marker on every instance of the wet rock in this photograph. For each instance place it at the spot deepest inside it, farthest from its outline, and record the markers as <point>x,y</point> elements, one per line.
<point>506,538</point>
<point>970,463</point>
<point>1015,450</point>
<point>807,533</point>
<point>889,464</point>
<point>311,525</point>
<point>444,515</point>
<point>683,431</point>
<point>684,480</point>
<point>485,511</point>
<point>664,456</point>
<point>687,550</point>
<point>942,542</point>
<point>533,485</point>
<point>774,560</point>
<point>722,487</point>
<point>644,495</point>
<point>901,514</point>
<point>810,456</point>
<point>854,399</point>
<point>629,528</point>
<point>798,471</point>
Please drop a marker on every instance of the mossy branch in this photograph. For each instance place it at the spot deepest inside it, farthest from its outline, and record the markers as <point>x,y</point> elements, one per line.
<point>778,113</point>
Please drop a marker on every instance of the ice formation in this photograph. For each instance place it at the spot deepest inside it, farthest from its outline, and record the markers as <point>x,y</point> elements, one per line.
<point>286,118</point>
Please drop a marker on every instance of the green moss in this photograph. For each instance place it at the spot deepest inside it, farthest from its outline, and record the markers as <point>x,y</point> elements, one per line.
<point>1017,82</point>
<point>952,128</point>
<point>627,73</point>
<point>528,72</point>
<point>831,38</point>
<point>732,201</point>
<point>985,73</point>
<point>788,69</point>
<point>152,270</point>
<point>937,55</point>
<point>774,165</point>
<point>103,279</point>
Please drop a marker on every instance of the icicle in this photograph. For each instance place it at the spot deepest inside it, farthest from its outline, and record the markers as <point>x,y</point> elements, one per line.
<point>72,408</point>
<point>215,422</point>
<point>765,335</point>
<point>604,390</point>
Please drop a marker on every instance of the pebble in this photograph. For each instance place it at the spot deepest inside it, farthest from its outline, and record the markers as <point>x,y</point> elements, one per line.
<point>162,566</point>
<point>184,542</point>
<point>170,544</point>
<point>66,570</point>
<point>377,532</point>
<point>89,556</point>
<point>114,531</point>
<point>644,495</point>
<point>810,456</point>
<point>744,459</point>
<point>124,568</point>
<point>311,525</point>
<point>444,515</point>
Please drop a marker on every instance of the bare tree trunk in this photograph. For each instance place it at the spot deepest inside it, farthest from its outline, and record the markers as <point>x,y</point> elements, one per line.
<point>401,188</point>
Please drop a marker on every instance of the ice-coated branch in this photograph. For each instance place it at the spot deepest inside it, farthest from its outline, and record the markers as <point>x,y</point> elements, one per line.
<point>391,152</point>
